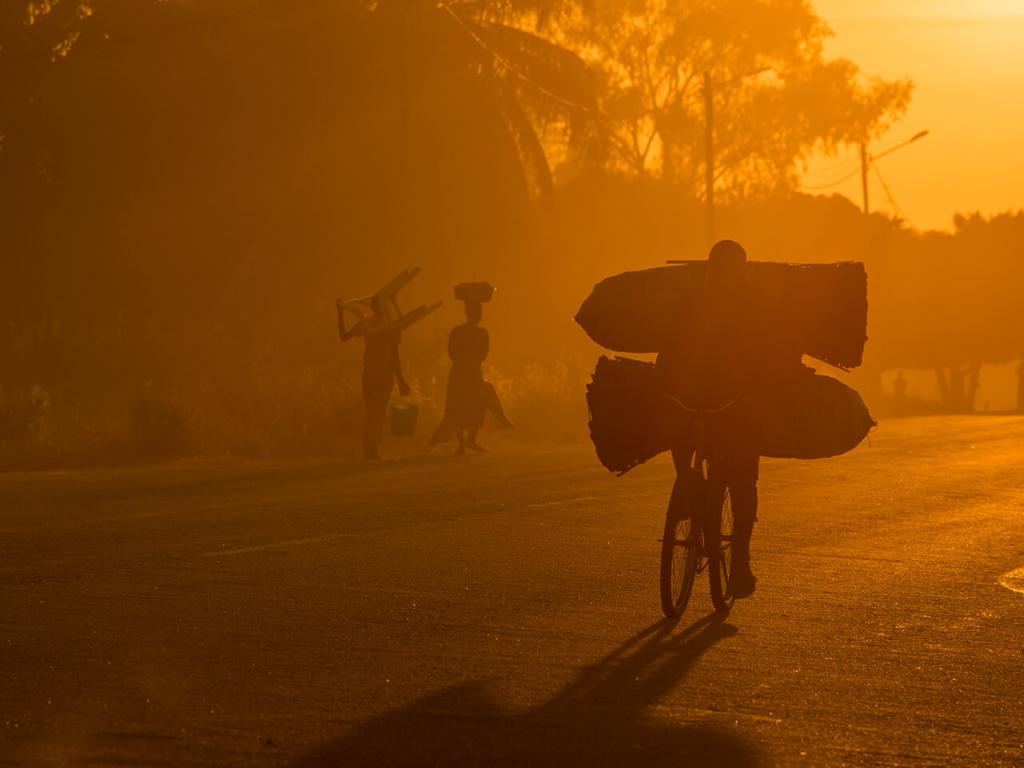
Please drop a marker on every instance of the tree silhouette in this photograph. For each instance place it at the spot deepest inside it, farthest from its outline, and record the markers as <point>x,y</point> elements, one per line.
<point>776,96</point>
<point>949,302</point>
<point>185,183</point>
<point>469,44</point>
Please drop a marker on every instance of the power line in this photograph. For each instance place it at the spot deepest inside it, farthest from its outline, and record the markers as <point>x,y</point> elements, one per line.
<point>831,184</point>
<point>892,200</point>
<point>842,164</point>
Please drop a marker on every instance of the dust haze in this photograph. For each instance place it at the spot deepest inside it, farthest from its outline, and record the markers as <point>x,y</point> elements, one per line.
<point>302,430</point>
<point>187,187</point>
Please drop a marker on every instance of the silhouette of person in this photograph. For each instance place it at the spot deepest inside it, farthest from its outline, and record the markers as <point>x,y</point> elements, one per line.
<point>899,394</point>
<point>382,366</point>
<point>729,345</point>
<point>1020,386</point>
<point>468,396</point>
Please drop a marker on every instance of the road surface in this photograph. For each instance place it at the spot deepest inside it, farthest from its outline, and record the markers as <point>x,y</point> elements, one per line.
<point>502,610</point>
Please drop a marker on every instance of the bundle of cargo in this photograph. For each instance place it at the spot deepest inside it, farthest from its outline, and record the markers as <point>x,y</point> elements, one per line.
<point>824,306</point>
<point>625,413</point>
<point>813,417</point>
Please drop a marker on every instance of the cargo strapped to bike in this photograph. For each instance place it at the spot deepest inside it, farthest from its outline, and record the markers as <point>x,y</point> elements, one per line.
<point>625,413</point>
<point>811,417</point>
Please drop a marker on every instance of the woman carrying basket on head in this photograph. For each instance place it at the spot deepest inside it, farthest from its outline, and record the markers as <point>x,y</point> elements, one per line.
<point>469,396</point>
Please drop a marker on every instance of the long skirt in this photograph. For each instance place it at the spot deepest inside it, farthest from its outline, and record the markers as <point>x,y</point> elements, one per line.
<point>467,400</point>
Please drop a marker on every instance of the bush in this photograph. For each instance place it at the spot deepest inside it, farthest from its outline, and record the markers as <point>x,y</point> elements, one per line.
<point>159,427</point>
<point>22,414</point>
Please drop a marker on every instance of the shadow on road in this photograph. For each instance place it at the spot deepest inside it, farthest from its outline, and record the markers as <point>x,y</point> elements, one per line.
<point>599,719</point>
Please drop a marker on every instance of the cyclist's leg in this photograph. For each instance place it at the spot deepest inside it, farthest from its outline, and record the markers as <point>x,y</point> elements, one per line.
<point>743,473</point>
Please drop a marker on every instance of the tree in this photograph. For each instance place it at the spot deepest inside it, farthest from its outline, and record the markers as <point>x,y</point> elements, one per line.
<point>949,302</point>
<point>34,34</point>
<point>776,97</point>
<point>468,44</point>
<point>190,185</point>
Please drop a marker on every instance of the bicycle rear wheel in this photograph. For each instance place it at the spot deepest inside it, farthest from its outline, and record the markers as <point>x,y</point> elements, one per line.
<point>719,535</point>
<point>680,549</point>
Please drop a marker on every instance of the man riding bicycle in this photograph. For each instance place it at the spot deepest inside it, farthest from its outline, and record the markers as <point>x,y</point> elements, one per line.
<point>726,348</point>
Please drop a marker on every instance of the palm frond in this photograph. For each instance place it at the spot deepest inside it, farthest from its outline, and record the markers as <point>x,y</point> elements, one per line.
<point>533,159</point>
<point>542,67</point>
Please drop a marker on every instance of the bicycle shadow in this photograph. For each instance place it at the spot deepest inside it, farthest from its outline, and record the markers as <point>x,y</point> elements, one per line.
<point>599,719</point>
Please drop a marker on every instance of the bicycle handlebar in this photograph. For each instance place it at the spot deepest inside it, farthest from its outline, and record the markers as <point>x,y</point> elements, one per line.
<point>706,411</point>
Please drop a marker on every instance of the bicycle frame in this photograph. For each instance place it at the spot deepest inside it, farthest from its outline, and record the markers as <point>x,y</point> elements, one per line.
<point>704,539</point>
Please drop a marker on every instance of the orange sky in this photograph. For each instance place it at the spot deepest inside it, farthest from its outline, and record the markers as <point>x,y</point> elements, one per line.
<point>966,58</point>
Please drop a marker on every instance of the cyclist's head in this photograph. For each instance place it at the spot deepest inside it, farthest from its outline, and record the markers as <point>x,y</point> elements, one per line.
<point>474,312</point>
<point>726,263</point>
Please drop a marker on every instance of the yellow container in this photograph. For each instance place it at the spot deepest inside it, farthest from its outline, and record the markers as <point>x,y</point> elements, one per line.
<point>403,419</point>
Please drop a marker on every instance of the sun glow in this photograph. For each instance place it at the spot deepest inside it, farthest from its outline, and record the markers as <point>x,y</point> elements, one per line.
<point>967,65</point>
<point>921,9</point>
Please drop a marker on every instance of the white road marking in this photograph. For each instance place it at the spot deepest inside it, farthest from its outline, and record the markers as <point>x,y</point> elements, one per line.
<point>1013,580</point>
<point>274,545</point>
<point>635,497</point>
<point>563,502</point>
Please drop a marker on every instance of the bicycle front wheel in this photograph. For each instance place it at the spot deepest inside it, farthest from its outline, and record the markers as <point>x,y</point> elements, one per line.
<point>679,552</point>
<point>719,536</point>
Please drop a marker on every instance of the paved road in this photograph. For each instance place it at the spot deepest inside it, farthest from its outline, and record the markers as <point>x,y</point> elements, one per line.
<point>502,610</point>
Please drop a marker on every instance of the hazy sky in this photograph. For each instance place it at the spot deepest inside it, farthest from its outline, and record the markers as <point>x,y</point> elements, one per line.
<point>966,58</point>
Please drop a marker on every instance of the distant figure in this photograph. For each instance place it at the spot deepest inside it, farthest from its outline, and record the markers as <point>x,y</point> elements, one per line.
<point>722,353</point>
<point>381,367</point>
<point>469,396</point>
<point>380,321</point>
<point>1020,386</point>
<point>899,395</point>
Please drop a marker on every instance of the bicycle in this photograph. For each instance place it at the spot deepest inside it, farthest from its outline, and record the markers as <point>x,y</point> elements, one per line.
<point>698,527</point>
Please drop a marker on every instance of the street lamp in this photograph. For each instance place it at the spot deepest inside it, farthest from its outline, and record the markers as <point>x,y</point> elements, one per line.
<point>866,159</point>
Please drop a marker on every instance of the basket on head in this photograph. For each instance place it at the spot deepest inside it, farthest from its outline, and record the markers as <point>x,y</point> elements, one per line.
<point>480,293</point>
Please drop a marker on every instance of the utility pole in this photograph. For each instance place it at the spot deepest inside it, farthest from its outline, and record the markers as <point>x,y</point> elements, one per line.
<point>709,155</point>
<point>709,144</point>
<point>865,163</point>
<point>867,159</point>
<point>879,265</point>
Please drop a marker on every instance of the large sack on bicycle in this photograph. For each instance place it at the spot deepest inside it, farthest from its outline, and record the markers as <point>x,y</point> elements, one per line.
<point>625,413</point>
<point>813,417</point>
<point>824,306</point>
